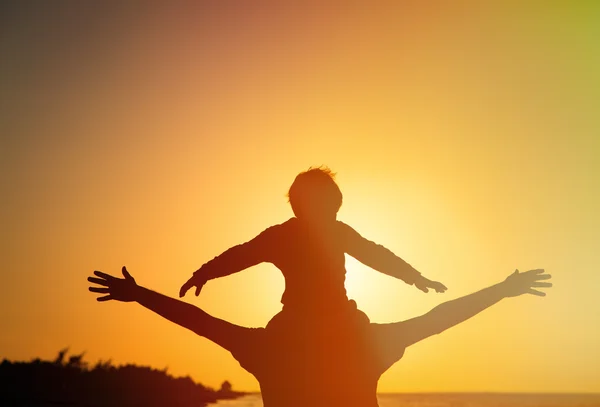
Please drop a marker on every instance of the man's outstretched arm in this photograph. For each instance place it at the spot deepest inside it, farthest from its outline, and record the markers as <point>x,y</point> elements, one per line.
<point>385,261</point>
<point>454,312</point>
<point>186,315</point>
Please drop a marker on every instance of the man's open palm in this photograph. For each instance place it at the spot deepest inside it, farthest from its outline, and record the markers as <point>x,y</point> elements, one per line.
<point>525,283</point>
<point>120,289</point>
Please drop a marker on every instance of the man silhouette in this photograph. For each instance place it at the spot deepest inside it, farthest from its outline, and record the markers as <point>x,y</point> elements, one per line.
<point>319,351</point>
<point>309,250</point>
<point>320,367</point>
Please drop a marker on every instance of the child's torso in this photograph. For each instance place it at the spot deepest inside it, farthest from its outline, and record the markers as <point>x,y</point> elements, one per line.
<point>312,261</point>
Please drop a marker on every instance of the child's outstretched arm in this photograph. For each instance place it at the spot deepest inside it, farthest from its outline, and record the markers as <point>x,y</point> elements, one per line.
<point>233,260</point>
<point>385,261</point>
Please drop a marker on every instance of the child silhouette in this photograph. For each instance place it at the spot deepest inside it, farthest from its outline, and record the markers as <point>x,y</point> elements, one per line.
<point>309,250</point>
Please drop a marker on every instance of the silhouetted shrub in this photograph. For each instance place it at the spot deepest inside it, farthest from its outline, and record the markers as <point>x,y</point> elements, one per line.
<point>69,381</point>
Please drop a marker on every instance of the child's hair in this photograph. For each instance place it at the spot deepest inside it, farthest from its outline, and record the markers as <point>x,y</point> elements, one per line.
<point>314,193</point>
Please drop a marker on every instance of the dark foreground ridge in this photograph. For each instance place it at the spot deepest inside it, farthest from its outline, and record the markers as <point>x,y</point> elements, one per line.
<point>69,381</point>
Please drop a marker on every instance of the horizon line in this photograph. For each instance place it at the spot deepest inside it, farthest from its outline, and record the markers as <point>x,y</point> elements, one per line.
<point>524,393</point>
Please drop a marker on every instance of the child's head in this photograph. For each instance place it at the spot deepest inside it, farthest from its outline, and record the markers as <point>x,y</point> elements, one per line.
<point>314,195</point>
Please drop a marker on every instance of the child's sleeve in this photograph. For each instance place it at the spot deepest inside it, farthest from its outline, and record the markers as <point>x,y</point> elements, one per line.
<point>376,256</point>
<point>240,257</point>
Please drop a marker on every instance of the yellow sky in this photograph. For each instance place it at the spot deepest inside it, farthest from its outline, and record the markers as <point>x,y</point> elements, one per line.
<point>465,140</point>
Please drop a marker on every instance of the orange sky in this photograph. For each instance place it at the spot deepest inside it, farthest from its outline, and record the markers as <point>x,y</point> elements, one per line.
<point>465,139</point>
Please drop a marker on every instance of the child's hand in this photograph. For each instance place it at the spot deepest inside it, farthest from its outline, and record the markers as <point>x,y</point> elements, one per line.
<point>194,281</point>
<point>424,284</point>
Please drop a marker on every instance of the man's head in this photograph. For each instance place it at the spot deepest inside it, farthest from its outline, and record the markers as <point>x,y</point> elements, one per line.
<point>314,195</point>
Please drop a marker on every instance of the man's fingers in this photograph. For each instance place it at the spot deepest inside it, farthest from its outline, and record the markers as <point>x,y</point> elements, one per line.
<point>99,290</point>
<point>541,284</point>
<point>99,281</point>
<point>105,298</point>
<point>103,275</point>
<point>535,271</point>
<point>126,273</point>
<point>536,292</point>
<point>198,287</point>
<point>543,277</point>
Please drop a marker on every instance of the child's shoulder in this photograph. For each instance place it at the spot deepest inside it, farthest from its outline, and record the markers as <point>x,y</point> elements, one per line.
<point>343,227</point>
<point>294,225</point>
<point>287,226</point>
<point>280,233</point>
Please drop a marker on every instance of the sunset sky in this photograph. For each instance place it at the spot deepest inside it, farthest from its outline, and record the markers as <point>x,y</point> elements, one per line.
<point>466,139</point>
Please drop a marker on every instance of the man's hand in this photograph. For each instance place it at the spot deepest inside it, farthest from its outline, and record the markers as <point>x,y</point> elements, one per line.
<point>424,284</point>
<point>522,283</point>
<point>195,281</point>
<point>120,289</point>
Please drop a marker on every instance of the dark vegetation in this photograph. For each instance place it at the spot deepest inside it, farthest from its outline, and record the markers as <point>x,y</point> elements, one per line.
<point>69,380</point>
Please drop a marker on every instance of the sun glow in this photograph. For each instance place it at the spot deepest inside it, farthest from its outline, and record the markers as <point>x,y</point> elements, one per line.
<point>356,279</point>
